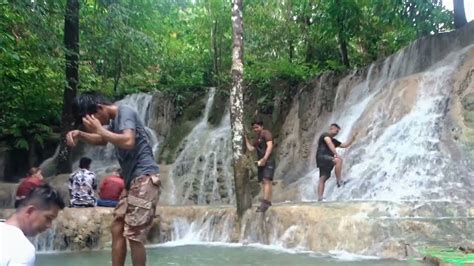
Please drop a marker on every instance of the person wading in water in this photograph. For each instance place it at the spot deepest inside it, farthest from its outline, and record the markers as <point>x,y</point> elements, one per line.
<point>119,124</point>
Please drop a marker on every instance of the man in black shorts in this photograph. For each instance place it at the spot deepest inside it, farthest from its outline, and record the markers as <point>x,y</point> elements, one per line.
<point>327,157</point>
<point>266,164</point>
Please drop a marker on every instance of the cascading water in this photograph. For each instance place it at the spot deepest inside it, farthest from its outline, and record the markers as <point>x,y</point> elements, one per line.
<point>45,242</point>
<point>209,228</point>
<point>202,173</point>
<point>103,158</point>
<point>400,117</point>
<point>400,111</point>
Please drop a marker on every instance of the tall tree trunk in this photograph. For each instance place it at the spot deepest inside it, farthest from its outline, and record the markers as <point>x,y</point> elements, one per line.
<point>241,178</point>
<point>341,38</point>
<point>118,74</point>
<point>459,14</point>
<point>343,50</point>
<point>71,43</point>
<point>215,52</point>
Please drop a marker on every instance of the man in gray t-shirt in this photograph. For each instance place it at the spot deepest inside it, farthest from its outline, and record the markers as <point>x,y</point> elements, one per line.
<point>120,125</point>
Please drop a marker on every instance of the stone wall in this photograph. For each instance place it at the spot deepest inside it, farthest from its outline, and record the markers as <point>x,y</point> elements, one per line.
<point>385,229</point>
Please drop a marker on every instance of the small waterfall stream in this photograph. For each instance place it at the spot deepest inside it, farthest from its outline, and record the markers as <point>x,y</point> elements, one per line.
<point>202,173</point>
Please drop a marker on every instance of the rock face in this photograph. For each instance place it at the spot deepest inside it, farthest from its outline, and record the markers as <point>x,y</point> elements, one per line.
<point>7,194</point>
<point>413,112</point>
<point>385,229</point>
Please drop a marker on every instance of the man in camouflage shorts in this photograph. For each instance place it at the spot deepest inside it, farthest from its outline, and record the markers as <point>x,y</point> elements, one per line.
<point>136,207</point>
<point>120,125</point>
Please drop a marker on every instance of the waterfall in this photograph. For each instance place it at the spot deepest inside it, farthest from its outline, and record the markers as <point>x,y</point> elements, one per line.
<point>400,115</point>
<point>45,242</point>
<point>103,158</point>
<point>208,228</point>
<point>202,173</point>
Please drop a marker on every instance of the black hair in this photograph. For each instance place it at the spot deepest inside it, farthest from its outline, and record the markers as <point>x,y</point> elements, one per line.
<point>33,171</point>
<point>43,196</point>
<point>336,125</point>
<point>257,122</point>
<point>87,104</point>
<point>85,162</point>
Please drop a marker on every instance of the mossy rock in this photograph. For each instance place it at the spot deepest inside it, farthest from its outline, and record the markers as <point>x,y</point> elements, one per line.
<point>468,102</point>
<point>182,126</point>
<point>218,109</point>
<point>469,118</point>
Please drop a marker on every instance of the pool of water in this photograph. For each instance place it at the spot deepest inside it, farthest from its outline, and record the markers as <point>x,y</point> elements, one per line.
<point>210,255</point>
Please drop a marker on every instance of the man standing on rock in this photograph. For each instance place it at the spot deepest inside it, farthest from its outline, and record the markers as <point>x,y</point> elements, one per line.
<point>120,125</point>
<point>266,165</point>
<point>34,214</point>
<point>327,157</point>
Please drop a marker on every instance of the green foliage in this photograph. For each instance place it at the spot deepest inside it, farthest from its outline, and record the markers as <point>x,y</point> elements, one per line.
<point>183,46</point>
<point>30,78</point>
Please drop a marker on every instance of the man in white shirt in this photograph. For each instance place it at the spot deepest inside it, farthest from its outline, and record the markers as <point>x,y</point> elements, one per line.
<point>34,214</point>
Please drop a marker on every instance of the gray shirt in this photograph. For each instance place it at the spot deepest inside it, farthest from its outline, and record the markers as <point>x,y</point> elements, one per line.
<point>139,160</point>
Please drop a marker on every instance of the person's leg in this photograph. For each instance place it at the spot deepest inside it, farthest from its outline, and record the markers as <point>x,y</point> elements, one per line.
<point>138,253</point>
<point>267,195</point>
<point>142,201</point>
<point>267,189</point>
<point>119,243</point>
<point>322,183</point>
<point>338,169</point>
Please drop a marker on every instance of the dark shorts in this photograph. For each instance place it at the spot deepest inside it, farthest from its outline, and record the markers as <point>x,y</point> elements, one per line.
<point>267,171</point>
<point>325,164</point>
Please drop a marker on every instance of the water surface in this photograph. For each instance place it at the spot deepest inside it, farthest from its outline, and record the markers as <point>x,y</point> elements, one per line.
<point>218,256</point>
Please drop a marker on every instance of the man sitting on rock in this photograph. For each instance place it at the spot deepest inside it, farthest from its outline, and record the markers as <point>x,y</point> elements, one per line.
<point>82,185</point>
<point>34,214</point>
<point>34,179</point>
<point>110,189</point>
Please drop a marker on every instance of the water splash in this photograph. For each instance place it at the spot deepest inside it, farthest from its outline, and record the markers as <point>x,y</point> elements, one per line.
<point>45,242</point>
<point>206,228</point>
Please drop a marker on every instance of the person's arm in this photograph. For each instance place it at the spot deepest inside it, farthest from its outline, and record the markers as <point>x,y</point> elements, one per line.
<point>331,146</point>
<point>124,140</point>
<point>90,138</point>
<point>349,142</point>
<point>268,152</point>
<point>94,182</point>
<point>249,145</point>
<point>71,180</point>
<point>268,138</point>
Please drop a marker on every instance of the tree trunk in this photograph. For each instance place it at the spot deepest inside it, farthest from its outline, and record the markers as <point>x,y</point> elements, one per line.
<point>343,50</point>
<point>71,43</point>
<point>118,74</point>
<point>241,178</point>
<point>215,52</point>
<point>459,14</point>
<point>341,38</point>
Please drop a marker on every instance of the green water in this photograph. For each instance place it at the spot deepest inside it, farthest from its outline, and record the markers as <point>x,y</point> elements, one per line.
<point>213,255</point>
